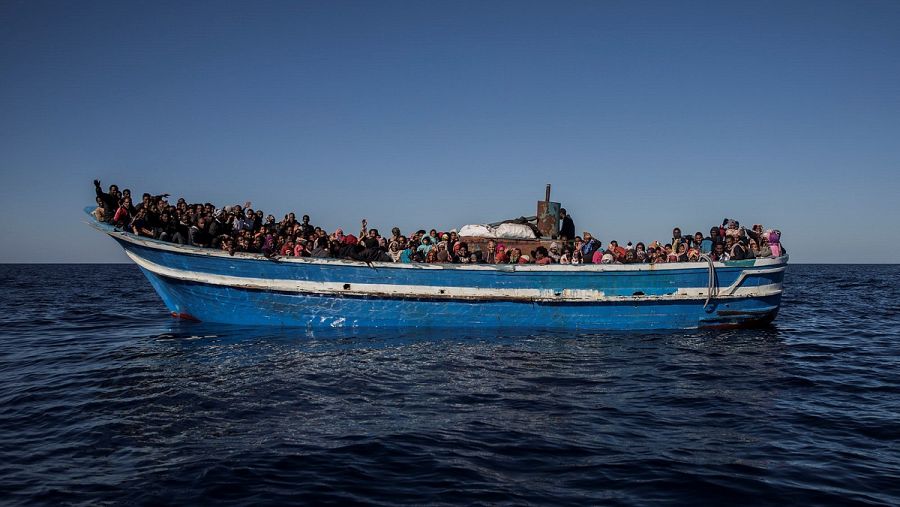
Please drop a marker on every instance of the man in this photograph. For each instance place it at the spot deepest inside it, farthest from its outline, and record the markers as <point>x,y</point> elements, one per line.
<point>567,230</point>
<point>197,235</point>
<point>110,199</point>
<point>719,253</point>
<point>590,246</point>
<point>305,228</point>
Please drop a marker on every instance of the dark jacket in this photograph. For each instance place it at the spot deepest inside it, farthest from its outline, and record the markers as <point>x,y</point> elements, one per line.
<point>568,228</point>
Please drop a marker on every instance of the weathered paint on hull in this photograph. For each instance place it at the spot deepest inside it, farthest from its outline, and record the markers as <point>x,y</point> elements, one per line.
<point>210,286</point>
<point>256,307</point>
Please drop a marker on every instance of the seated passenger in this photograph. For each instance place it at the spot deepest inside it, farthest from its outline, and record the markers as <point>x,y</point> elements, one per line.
<point>577,258</point>
<point>461,252</point>
<point>541,256</point>
<point>394,251</point>
<point>123,215</point>
<point>501,256</point>
<point>425,247</point>
<point>719,253</point>
<point>554,252</point>
<point>616,251</point>
<point>443,256</point>
<point>640,252</point>
<point>320,248</point>
<point>490,254</point>
<point>597,256</point>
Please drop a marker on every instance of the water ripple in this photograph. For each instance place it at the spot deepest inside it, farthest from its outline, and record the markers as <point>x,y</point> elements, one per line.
<point>105,399</point>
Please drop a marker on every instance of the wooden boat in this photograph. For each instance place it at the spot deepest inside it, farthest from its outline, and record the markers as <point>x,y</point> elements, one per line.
<point>249,289</point>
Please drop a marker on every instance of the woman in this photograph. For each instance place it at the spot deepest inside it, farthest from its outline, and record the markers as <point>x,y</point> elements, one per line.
<point>764,249</point>
<point>554,252</point>
<point>443,256</point>
<point>640,252</point>
<point>501,256</point>
<point>394,251</point>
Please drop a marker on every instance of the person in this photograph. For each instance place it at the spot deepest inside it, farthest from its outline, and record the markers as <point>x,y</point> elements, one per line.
<point>140,225</point>
<point>501,256</point>
<point>320,248</point>
<point>407,254</point>
<point>123,214</point>
<point>676,237</point>
<point>111,198</point>
<point>681,253</point>
<point>461,252</point>
<point>426,246</point>
<point>443,256</point>
<point>719,253</point>
<point>590,246</point>
<point>616,251</point>
<point>490,257</point>
<point>197,235</point>
<point>395,235</point>
<point>541,256</point>
<point>640,252</point>
<point>100,213</point>
<point>764,249</point>
<point>567,229</point>
<point>577,258</point>
<point>394,251</point>
<point>554,252</point>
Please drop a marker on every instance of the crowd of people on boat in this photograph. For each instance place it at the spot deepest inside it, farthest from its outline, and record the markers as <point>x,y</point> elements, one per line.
<point>241,228</point>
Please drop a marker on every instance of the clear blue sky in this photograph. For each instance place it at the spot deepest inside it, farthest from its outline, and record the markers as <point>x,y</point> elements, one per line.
<point>643,115</point>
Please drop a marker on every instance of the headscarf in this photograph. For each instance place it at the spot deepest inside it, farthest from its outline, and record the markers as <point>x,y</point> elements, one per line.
<point>394,251</point>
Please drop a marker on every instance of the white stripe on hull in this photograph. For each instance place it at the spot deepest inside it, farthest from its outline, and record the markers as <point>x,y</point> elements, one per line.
<point>453,293</point>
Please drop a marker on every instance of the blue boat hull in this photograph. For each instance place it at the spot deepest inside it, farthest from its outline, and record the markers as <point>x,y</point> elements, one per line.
<point>246,289</point>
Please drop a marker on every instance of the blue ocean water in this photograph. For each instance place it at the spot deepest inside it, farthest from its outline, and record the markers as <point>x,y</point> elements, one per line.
<point>104,399</point>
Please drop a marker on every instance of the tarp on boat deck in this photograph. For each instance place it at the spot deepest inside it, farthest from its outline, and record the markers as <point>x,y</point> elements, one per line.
<point>502,231</point>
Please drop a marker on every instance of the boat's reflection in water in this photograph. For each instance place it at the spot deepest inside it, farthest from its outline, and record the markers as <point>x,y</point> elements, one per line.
<point>198,334</point>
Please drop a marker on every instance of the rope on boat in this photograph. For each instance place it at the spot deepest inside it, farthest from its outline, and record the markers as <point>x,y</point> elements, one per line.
<point>712,289</point>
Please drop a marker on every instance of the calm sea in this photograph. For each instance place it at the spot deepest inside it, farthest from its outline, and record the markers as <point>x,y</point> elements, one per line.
<point>104,399</point>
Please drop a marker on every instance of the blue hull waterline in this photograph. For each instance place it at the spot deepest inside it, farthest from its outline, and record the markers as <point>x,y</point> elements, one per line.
<point>249,289</point>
